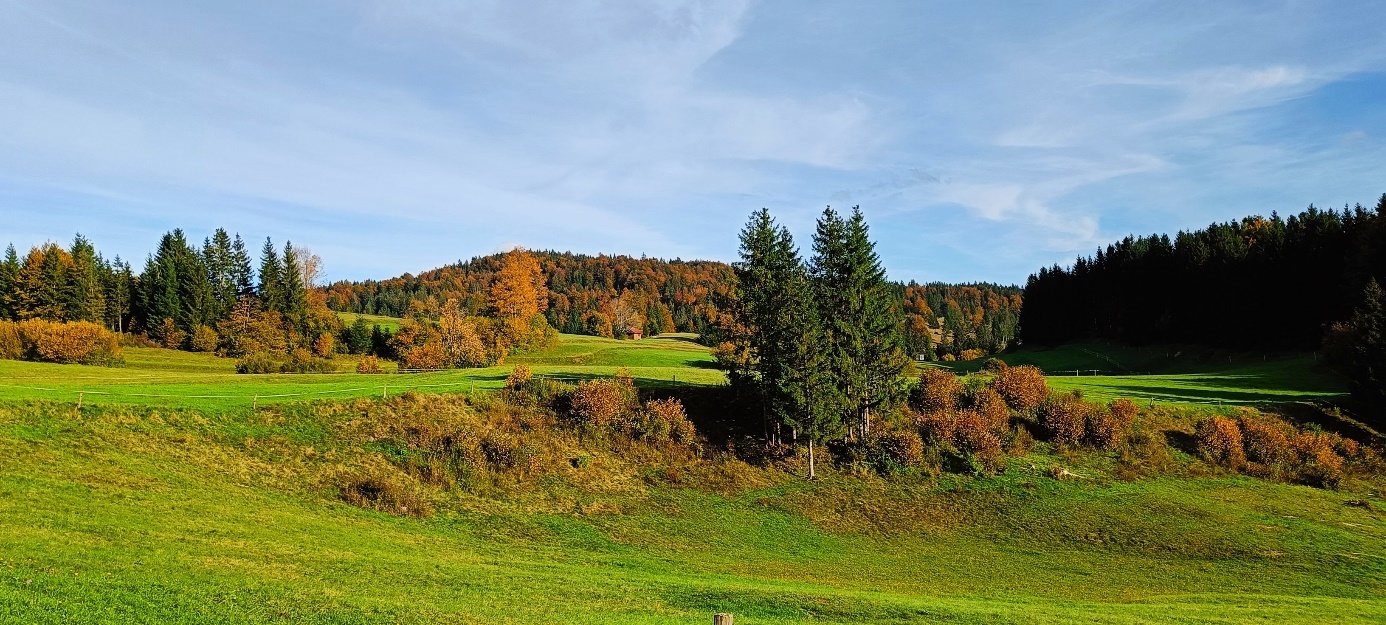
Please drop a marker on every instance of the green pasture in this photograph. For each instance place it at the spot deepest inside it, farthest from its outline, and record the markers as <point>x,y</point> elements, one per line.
<point>161,377</point>
<point>130,515</point>
<point>1172,374</point>
<point>385,323</point>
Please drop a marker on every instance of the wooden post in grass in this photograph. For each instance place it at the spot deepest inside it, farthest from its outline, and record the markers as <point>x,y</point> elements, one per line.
<point>79,400</point>
<point>255,403</point>
<point>385,391</point>
<point>721,618</point>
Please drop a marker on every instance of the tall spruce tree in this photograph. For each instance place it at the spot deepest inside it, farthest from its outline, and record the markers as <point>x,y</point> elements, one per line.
<point>295,294</point>
<point>9,284</point>
<point>219,257</point>
<point>786,363</point>
<point>1367,360</point>
<point>86,299</point>
<point>119,285</point>
<point>271,288</point>
<point>241,273</point>
<point>860,314</point>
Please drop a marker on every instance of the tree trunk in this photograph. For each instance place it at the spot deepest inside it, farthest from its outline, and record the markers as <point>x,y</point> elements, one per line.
<point>812,475</point>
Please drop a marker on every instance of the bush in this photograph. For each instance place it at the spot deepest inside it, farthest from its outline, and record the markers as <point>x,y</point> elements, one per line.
<point>257,362</point>
<point>303,361</point>
<point>1220,442</point>
<point>168,335</point>
<point>975,436</point>
<point>989,405</point>
<point>369,365</point>
<point>948,358</point>
<point>1319,464</point>
<point>204,339</point>
<point>971,354</point>
<point>78,342</point>
<point>1266,440</point>
<point>426,357</point>
<point>602,402</point>
<point>1108,425</point>
<point>519,377</point>
<point>663,420</point>
<point>938,390</point>
<point>11,346</point>
<point>994,366</point>
<point>1065,417</point>
<point>891,451</point>
<point>1023,387</point>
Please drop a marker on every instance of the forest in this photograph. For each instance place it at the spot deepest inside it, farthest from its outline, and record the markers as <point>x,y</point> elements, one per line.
<point>1272,284</point>
<point>612,295</point>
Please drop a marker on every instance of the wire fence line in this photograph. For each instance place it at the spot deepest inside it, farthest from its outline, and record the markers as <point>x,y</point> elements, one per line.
<point>382,388</point>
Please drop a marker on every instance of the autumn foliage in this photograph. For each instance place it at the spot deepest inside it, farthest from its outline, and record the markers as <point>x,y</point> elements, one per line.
<point>77,342</point>
<point>1023,387</point>
<point>1065,418</point>
<point>1220,442</point>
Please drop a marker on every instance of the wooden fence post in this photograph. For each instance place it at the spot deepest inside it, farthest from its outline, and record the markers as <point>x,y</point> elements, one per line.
<point>721,618</point>
<point>254,403</point>
<point>385,391</point>
<point>79,400</point>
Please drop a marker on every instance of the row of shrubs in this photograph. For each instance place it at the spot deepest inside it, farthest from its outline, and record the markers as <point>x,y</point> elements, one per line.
<point>1265,446</point>
<point>79,342</point>
<point>296,361</point>
<point>605,405</point>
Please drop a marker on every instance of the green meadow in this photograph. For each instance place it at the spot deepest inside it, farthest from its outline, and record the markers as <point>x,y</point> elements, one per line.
<point>169,500</point>
<point>161,377</point>
<point>1173,375</point>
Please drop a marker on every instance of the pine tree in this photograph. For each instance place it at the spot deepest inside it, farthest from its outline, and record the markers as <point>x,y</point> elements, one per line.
<point>51,291</point>
<point>219,256</point>
<point>271,289</point>
<point>159,293</point>
<point>1367,361</point>
<point>119,285</point>
<point>86,299</point>
<point>862,321</point>
<point>241,273</point>
<point>9,284</point>
<point>291,281</point>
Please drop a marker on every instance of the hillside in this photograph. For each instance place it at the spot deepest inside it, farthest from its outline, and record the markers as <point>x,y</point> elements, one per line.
<point>199,509</point>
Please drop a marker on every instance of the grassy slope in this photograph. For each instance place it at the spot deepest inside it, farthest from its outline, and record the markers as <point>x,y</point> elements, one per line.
<point>385,323</point>
<point>1171,375</point>
<point>163,377</point>
<point>122,516</point>
<point>136,515</point>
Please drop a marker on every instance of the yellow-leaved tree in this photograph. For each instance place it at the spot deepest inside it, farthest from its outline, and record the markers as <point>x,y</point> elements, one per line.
<point>519,296</point>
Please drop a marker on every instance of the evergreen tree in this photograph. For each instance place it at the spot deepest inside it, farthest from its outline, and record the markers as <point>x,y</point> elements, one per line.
<point>1367,360</point>
<point>9,284</point>
<point>241,274</point>
<point>86,299</point>
<point>271,289</point>
<point>51,291</point>
<point>220,259</point>
<point>291,281</point>
<point>862,322</point>
<point>119,285</point>
<point>159,294</point>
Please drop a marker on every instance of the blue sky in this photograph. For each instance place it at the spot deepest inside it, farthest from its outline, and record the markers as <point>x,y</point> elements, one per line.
<point>982,139</point>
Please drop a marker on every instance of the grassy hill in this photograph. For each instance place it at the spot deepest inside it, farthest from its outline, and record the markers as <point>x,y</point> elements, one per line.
<point>186,506</point>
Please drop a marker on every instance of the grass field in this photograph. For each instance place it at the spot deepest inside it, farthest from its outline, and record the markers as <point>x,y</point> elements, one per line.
<point>1166,374</point>
<point>138,515</point>
<point>186,506</point>
<point>385,323</point>
<point>161,377</point>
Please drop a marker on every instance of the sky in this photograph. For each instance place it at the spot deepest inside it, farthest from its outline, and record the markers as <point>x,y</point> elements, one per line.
<point>982,140</point>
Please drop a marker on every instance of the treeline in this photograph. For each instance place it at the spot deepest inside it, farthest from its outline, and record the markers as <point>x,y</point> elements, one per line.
<point>612,295</point>
<point>959,321</point>
<point>597,295</point>
<point>1258,283</point>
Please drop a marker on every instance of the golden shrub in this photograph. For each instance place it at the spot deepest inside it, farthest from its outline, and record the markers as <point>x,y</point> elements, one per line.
<point>974,435</point>
<point>988,404</point>
<point>1318,463</point>
<point>1266,439</point>
<point>204,339</point>
<point>903,448</point>
<point>994,366</point>
<point>665,419</point>
<point>1108,425</point>
<point>168,335</point>
<point>938,390</point>
<point>324,346</point>
<point>602,402</point>
<point>1124,410</point>
<point>78,342</point>
<point>1220,442</point>
<point>369,365</point>
<point>1023,387</point>
<point>11,346</point>
<point>518,377</point>
<point>1065,417</point>
<point>948,358</point>
<point>428,357</point>
<point>971,354</point>
<point>936,424</point>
